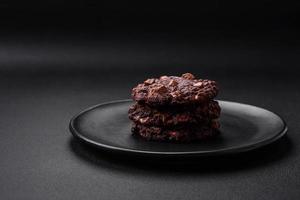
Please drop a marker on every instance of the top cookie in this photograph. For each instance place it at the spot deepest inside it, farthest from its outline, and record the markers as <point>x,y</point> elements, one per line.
<point>174,90</point>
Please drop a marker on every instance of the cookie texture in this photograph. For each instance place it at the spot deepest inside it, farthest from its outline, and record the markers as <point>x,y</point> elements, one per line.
<point>175,108</point>
<point>182,134</point>
<point>173,90</point>
<point>149,116</point>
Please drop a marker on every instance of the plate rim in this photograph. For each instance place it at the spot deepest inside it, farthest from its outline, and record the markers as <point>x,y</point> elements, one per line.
<point>223,151</point>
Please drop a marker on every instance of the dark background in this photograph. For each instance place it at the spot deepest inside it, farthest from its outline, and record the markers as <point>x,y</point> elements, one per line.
<point>59,57</point>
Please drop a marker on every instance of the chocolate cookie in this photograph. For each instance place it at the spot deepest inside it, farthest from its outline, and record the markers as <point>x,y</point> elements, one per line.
<point>145,115</point>
<point>174,90</point>
<point>183,134</point>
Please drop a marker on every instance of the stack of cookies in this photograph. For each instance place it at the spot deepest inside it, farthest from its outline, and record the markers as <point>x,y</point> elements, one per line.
<point>172,108</point>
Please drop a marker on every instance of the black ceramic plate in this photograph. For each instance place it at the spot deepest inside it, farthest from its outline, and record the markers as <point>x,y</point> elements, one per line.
<point>243,128</point>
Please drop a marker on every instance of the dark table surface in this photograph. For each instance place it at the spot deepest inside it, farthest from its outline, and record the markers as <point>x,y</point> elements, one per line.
<point>46,80</point>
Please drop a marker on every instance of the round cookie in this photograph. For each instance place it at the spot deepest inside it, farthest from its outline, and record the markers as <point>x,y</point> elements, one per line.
<point>174,90</point>
<point>183,134</point>
<point>147,116</point>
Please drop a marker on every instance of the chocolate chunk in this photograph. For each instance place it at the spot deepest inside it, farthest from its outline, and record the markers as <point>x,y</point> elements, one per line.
<point>149,81</point>
<point>188,76</point>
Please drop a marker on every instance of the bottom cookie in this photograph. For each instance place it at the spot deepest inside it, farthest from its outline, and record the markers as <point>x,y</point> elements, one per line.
<point>183,134</point>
